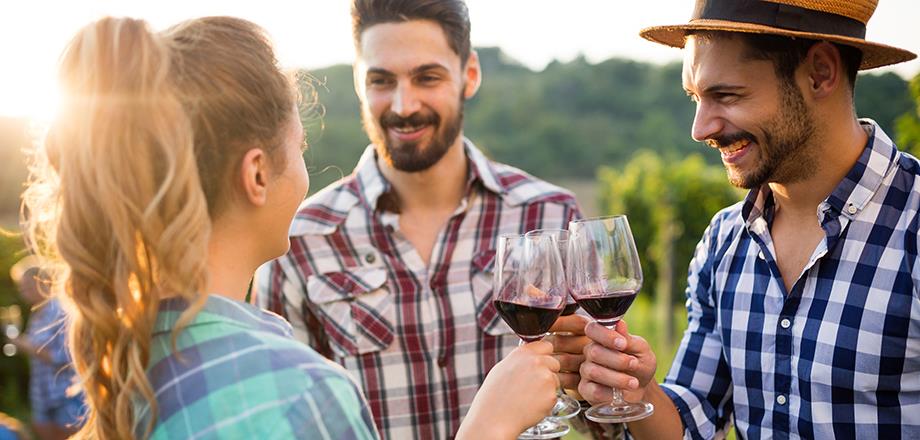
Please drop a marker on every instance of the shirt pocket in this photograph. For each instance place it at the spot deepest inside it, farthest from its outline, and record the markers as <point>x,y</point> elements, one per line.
<point>487,317</point>
<point>356,309</point>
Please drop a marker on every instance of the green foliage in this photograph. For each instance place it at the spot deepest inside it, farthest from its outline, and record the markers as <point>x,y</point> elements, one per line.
<point>670,204</point>
<point>883,98</point>
<point>908,125</point>
<point>13,370</point>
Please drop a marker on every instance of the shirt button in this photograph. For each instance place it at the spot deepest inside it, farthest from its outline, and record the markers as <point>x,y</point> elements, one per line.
<point>785,323</point>
<point>851,208</point>
<point>370,258</point>
<point>781,399</point>
<point>760,255</point>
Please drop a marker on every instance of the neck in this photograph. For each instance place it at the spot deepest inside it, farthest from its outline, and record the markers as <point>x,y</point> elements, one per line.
<point>231,261</point>
<point>439,187</point>
<point>837,151</point>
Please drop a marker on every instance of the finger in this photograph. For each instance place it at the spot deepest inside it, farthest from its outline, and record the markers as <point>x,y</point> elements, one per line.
<point>594,392</point>
<point>538,347</point>
<point>605,376</point>
<point>622,327</point>
<point>569,344</point>
<point>569,381</point>
<point>634,343</point>
<point>569,362</point>
<point>606,337</point>
<point>550,362</point>
<point>572,323</point>
<point>613,359</point>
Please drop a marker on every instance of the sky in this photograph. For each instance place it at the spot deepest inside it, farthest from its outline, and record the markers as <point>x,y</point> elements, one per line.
<point>317,33</point>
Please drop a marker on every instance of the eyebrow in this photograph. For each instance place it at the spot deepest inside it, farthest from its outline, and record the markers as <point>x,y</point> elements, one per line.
<point>415,70</point>
<point>718,88</point>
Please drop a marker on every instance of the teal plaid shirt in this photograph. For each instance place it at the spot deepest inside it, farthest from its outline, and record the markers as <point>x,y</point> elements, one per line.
<point>238,374</point>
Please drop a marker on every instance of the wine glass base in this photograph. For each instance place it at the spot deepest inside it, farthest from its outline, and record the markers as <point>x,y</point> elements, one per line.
<point>625,412</point>
<point>546,429</point>
<point>565,408</point>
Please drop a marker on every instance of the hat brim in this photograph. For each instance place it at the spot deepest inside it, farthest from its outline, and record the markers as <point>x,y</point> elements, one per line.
<point>874,54</point>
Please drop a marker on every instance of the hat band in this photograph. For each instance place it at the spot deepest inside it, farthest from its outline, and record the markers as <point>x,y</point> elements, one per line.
<point>779,15</point>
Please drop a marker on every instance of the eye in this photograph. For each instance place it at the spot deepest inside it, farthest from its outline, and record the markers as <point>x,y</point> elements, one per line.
<point>379,81</point>
<point>725,97</point>
<point>427,79</point>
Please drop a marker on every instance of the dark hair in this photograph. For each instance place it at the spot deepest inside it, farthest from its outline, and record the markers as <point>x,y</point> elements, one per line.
<point>451,15</point>
<point>787,53</point>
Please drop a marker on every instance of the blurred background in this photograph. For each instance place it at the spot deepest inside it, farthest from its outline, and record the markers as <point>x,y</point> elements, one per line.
<point>571,95</point>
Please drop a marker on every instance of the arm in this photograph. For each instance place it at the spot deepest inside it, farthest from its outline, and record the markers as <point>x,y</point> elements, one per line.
<point>516,394</point>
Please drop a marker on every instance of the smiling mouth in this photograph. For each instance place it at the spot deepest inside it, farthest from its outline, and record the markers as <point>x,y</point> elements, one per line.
<point>408,129</point>
<point>734,147</point>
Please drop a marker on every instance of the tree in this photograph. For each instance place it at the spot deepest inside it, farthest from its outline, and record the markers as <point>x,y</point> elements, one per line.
<point>908,125</point>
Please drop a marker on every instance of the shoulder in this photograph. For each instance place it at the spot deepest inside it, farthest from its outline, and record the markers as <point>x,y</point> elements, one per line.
<point>322,212</point>
<point>256,382</point>
<point>521,188</point>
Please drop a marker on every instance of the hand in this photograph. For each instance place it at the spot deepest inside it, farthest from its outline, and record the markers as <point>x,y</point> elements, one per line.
<point>569,347</point>
<point>616,359</point>
<point>517,393</point>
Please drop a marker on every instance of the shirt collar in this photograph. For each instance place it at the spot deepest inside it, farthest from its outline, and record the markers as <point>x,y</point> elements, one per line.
<point>371,184</point>
<point>850,196</point>
<point>219,309</point>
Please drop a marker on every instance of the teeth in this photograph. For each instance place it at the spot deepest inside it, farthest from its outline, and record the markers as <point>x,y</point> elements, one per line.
<point>736,146</point>
<point>408,129</point>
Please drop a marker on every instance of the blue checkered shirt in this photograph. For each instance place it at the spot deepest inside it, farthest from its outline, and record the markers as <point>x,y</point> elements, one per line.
<point>49,381</point>
<point>838,356</point>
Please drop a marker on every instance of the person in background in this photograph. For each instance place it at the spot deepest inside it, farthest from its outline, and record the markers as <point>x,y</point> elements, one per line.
<point>173,170</point>
<point>390,269</point>
<point>804,316</point>
<point>57,404</point>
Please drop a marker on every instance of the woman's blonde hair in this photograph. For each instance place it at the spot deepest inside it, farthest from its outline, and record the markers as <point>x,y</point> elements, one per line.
<point>133,169</point>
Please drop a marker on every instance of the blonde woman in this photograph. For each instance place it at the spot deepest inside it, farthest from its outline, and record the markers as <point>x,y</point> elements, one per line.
<point>172,172</point>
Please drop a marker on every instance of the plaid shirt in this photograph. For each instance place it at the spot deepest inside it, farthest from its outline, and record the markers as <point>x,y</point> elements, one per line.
<point>419,339</point>
<point>49,381</point>
<point>836,357</point>
<point>238,374</point>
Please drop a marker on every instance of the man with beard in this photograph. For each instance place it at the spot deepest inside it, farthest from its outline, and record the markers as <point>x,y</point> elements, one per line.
<point>390,269</point>
<point>803,303</point>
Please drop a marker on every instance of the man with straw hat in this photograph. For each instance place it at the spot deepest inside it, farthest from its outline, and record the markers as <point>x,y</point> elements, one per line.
<point>804,311</point>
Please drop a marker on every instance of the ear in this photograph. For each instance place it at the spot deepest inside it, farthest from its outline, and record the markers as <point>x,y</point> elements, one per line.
<point>824,68</point>
<point>358,71</point>
<point>254,176</point>
<point>473,75</point>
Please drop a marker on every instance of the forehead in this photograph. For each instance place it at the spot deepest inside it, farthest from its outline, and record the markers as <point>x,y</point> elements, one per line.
<point>401,46</point>
<point>712,61</point>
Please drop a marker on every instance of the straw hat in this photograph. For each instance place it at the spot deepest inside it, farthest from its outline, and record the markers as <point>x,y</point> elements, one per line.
<point>838,21</point>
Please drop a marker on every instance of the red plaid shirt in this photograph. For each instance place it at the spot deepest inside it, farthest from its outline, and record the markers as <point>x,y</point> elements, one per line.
<point>419,339</point>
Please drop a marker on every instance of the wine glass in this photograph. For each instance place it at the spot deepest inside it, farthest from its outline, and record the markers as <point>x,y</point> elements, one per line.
<point>566,407</point>
<point>604,277</point>
<point>529,294</point>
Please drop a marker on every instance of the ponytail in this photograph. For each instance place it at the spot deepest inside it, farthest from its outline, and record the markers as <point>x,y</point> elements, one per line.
<point>133,223</point>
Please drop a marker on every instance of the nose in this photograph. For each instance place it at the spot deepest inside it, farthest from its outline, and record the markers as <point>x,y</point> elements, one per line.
<point>706,123</point>
<point>405,100</point>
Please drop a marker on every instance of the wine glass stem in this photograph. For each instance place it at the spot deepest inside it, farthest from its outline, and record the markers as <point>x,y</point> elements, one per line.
<point>617,399</point>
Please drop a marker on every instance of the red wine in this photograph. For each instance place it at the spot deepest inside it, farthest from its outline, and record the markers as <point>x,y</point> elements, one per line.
<point>607,309</point>
<point>569,309</point>
<point>530,323</point>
